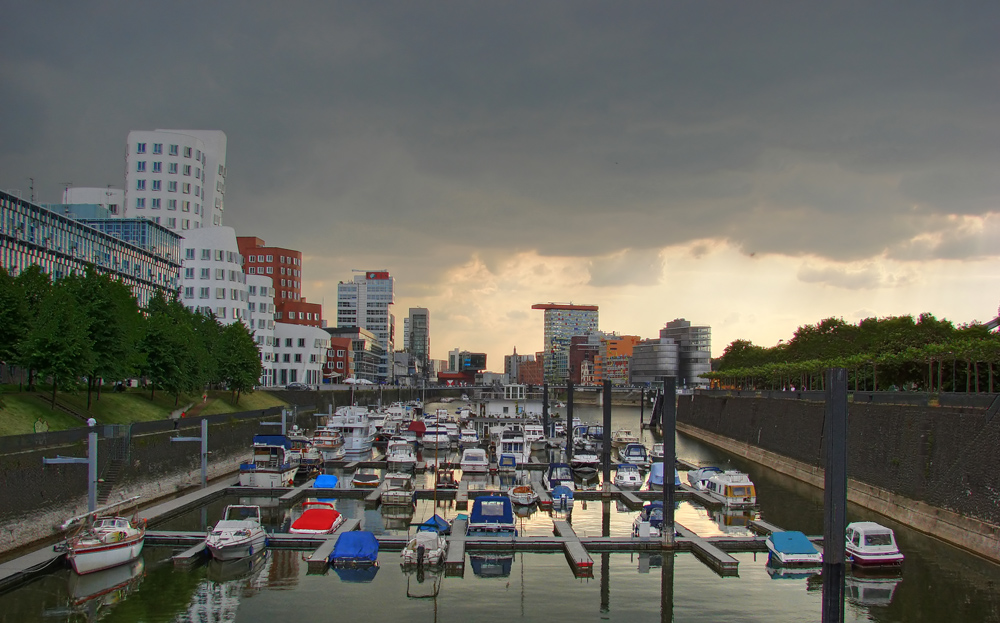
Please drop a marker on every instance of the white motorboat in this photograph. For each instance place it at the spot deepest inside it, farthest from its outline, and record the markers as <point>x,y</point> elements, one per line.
<point>474,460</point>
<point>400,456</point>
<point>353,424</point>
<point>792,549</point>
<point>303,451</point>
<point>329,442</point>
<point>427,547</point>
<point>628,476</point>
<point>534,435</point>
<point>649,521</point>
<point>103,542</point>
<point>872,545</point>
<point>656,454</point>
<point>585,463</point>
<point>271,465</point>
<point>732,488</point>
<point>317,518</point>
<point>398,489</point>
<point>698,478</point>
<point>238,534</point>
<point>522,495</point>
<point>468,438</point>
<point>622,437</point>
<point>436,437</point>
<point>635,453</point>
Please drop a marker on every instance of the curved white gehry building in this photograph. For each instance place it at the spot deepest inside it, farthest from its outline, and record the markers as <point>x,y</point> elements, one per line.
<point>260,318</point>
<point>212,275</point>
<point>299,353</point>
<point>176,178</point>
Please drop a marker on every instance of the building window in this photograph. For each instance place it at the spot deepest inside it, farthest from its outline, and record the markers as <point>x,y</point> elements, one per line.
<point>157,167</point>
<point>140,184</point>
<point>140,166</point>
<point>156,203</point>
<point>220,312</point>
<point>156,185</point>
<point>172,223</point>
<point>172,167</point>
<point>173,150</point>
<point>189,273</point>
<point>234,294</point>
<point>157,148</point>
<point>189,293</point>
<point>172,205</point>
<point>298,358</point>
<point>220,274</point>
<point>171,187</point>
<point>140,148</point>
<point>206,273</point>
<point>189,254</point>
<point>187,169</point>
<point>220,293</point>
<point>140,202</point>
<point>288,342</point>
<point>185,224</point>
<point>286,358</point>
<point>206,254</point>
<point>302,342</point>
<point>220,255</point>
<point>187,152</point>
<point>187,206</point>
<point>203,293</point>
<point>186,189</point>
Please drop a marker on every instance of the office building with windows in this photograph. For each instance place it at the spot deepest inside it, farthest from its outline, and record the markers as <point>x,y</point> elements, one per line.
<point>212,279</point>
<point>284,267</point>
<point>561,322</point>
<point>417,338</point>
<point>365,302</point>
<point>176,178</point>
<point>366,356</point>
<point>141,254</point>
<point>260,319</point>
<point>299,353</point>
<point>694,350</point>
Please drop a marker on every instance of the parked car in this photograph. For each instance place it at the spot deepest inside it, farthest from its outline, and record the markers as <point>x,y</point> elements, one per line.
<point>296,386</point>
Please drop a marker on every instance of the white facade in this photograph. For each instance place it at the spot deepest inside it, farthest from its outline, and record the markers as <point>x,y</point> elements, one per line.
<point>260,319</point>
<point>112,199</point>
<point>299,353</point>
<point>212,274</point>
<point>176,178</point>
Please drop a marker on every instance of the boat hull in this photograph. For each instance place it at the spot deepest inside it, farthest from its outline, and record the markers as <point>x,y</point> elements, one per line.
<point>233,550</point>
<point>105,556</point>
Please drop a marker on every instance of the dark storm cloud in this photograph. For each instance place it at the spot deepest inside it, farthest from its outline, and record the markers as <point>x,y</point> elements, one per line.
<point>420,132</point>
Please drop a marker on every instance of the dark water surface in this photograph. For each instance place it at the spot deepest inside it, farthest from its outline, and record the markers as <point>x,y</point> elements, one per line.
<point>937,583</point>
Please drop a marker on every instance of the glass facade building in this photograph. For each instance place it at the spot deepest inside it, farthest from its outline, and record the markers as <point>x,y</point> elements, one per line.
<point>562,322</point>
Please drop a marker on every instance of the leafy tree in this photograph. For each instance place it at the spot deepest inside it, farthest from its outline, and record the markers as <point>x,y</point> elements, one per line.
<point>13,316</point>
<point>238,360</point>
<point>35,286</point>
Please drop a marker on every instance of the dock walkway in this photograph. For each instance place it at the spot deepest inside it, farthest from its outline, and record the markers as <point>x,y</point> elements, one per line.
<point>579,560</point>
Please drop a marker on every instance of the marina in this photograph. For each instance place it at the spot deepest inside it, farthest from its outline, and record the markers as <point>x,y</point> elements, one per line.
<point>557,554</point>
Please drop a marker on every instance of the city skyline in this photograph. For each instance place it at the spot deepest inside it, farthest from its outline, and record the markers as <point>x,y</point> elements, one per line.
<point>750,168</point>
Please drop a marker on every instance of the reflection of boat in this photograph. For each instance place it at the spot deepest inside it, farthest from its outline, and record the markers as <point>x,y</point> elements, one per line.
<point>732,488</point>
<point>792,549</point>
<point>872,545</point>
<point>106,587</point>
<point>104,542</point>
<point>627,476</point>
<point>317,518</point>
<point>229,570</point>
<point>792,573</point>
<point>238,534</point>
<point>649,521</point>
<point>421,582</point>
<point>427,547</point>
<point>656,477</point>
<point>733,520</point>
<point>698,478</point>
<point>870,591</point>
<point>491,565</point>
<point>491,515</point>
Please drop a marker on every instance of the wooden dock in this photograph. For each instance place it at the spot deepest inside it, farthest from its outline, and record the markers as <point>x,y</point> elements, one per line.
<point>462,496</point>
<point>629,497</point>
<point>190,556</point>
<point>719,561</point>
<point>579,560</point>
<point>20,570</point>
<point>292,496</point>
<point>454,560</point>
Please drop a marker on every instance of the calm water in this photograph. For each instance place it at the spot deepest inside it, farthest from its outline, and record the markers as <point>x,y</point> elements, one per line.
<point>938,583</point>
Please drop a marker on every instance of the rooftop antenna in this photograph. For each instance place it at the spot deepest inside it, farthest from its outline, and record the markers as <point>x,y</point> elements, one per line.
<point>66,186</point>
<point>31,188</point>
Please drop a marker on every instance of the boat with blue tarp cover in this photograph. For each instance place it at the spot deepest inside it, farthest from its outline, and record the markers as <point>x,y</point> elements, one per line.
<point>562,497</point>
<point>271,465</point>
<point>435,524</point>
<point>656,477</point>
<point>492,515</point>
<point>558,474</point>
<point>491,565</point>
<point>792,549</point>
<point>355,548</point>
<point>649,521</point>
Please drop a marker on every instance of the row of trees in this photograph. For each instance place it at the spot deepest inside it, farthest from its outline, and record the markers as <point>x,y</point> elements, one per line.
<point>900,352</point>
<point>89,329</point>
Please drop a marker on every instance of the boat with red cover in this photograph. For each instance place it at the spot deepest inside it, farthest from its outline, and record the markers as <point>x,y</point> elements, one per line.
<point>317,518</point>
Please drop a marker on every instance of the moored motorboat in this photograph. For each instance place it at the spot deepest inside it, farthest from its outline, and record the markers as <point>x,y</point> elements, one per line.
<point>698,478</point>
<point>628,476</point>
<point>357,549</point>
<point>329,442</point>
<point>522,495</point>
<point>872,545</point>
<point>649,521</point>
<point>474,460</point>
<point>425,548</point>
<point>656,476</point>
<point>365,480</point>
<point>792,549</point>
<point>398,489</point>
<point>317,518</point>
<point>622,437</point>
<point>507,462</point>
<point>732,488</point>
<point>103,541</point>
<point>562,497</point>
<point>468,438</point>
<point>238,534</point>
<point>585,463</point>
<point>491,515</point>
<point>271,465</point>
<point>635,453</point>
<point>558,474</point>
<point>656,454</point>
<point>399,455</point>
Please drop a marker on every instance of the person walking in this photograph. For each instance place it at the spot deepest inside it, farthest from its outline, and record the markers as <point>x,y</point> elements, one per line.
<point>91,422</point>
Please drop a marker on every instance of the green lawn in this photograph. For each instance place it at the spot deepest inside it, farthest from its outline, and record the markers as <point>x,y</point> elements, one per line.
<point>19,411</point>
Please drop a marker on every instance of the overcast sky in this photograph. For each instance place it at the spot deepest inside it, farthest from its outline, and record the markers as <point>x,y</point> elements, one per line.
<point>750,166</point>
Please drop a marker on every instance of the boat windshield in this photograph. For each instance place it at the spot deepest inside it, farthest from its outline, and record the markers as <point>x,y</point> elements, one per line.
<point>878,538</point>
<point>561,473</point>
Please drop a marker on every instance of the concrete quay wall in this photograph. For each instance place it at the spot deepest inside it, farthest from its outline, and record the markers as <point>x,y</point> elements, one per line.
<point>39,497</point>
<point>935,469</point>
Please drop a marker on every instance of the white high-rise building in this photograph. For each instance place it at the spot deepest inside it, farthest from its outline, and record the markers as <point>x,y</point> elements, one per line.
<point>212,275</point>
<point>365,303</point>
<point>176,178</point>
<point>260,319</point>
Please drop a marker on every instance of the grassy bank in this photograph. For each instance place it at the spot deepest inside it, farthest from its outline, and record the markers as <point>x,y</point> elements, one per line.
<point>20,411</point>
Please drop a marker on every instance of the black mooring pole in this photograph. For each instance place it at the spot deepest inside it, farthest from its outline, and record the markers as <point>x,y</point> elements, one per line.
<point>668,424</point>
<point>606,441</point>
<point>642,407</point>
<point>835,495</point>
<point>569,421</point>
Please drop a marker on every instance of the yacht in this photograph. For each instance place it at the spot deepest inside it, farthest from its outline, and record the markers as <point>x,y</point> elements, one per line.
<point>400,456</point>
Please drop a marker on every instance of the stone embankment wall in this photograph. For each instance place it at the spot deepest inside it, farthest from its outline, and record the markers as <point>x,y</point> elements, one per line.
<point>934,468</point>
<point>37,497</point>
